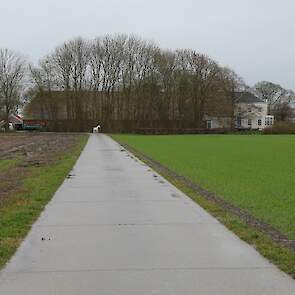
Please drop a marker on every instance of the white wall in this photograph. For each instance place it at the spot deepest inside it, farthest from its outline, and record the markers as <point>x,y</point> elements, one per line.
<point>256,112</point>
<point>252,113</point>
<point>216,122</point>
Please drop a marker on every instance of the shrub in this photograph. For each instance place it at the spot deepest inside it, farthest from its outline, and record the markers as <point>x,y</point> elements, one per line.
<point>281,128</point>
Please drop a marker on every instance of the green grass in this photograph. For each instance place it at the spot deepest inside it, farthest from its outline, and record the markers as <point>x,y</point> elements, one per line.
<point>7,164</point>
<point>282,256</point>
<point>256,173</point>
<point>17,217</point>
<point>231,159</point>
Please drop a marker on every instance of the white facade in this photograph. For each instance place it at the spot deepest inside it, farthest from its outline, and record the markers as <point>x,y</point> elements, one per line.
<point>217,122</point>
<point>252,116</point>
<point>250,112</point>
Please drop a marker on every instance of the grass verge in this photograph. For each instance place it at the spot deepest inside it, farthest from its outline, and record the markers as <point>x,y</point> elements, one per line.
<point>281,256</point>
<point>7,164</point>
<point>255,173</point>
<point>17,217</point>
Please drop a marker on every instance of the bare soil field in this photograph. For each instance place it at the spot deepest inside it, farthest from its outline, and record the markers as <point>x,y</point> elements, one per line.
<point>32,167</point>
<point>22,151</point>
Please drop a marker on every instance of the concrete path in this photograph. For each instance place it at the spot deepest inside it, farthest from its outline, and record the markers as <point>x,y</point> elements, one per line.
<point>117,228</point>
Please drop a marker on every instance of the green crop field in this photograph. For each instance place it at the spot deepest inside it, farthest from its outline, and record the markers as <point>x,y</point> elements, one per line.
<point>256,173</point>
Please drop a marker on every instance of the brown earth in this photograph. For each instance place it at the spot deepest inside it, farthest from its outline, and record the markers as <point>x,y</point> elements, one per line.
<point>29,149</point>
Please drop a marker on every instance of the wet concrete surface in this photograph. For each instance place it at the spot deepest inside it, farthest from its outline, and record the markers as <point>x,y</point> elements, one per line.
<point>115,227</point>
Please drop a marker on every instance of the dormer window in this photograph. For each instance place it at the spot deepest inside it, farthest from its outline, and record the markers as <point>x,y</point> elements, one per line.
<point>249,109</point>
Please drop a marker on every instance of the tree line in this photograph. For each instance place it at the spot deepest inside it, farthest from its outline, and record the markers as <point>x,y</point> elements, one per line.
<point>122,79</point>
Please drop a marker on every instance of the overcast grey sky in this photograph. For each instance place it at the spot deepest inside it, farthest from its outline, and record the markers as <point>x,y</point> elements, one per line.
<point>254,37</point>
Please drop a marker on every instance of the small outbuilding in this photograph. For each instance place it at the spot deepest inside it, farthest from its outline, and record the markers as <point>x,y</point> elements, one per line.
<point>15,122</point>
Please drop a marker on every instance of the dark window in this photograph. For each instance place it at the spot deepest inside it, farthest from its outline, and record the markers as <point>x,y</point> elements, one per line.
<point>259,122</point>
<point>239,121</point>
<point>249,122</point>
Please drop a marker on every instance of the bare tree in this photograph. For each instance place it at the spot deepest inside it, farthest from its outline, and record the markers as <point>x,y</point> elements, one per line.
<point>271,93</point>
<point>283,112</point>
<point>202,73</point>
<point>44,84</point>
<point>230,83</point>
<point>71,65</point>
<point>124,78</point>
<point>12,72</point>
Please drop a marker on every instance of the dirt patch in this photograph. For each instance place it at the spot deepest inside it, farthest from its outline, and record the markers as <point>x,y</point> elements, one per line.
<point>275,235</point>
<point>31,149</point>
<point>35,145</point>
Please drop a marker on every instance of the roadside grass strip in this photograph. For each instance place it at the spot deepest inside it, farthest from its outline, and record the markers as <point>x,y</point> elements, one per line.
<point>254,173</point>
<point>18,215</point>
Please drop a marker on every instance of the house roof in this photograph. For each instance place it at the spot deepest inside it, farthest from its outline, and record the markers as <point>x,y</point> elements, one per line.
<point>15,118</point>
<point>18,116</point>
<point>12,118</point>
<point>246,97</point>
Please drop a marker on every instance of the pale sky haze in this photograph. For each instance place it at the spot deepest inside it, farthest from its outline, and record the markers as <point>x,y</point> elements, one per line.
<point>255,38</point>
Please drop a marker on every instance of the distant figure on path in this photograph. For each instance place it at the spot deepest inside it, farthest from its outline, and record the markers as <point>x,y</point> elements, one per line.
<point>96,129</point>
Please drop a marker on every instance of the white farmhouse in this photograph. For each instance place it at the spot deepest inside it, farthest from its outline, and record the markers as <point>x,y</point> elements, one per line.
<point>251,112</point>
